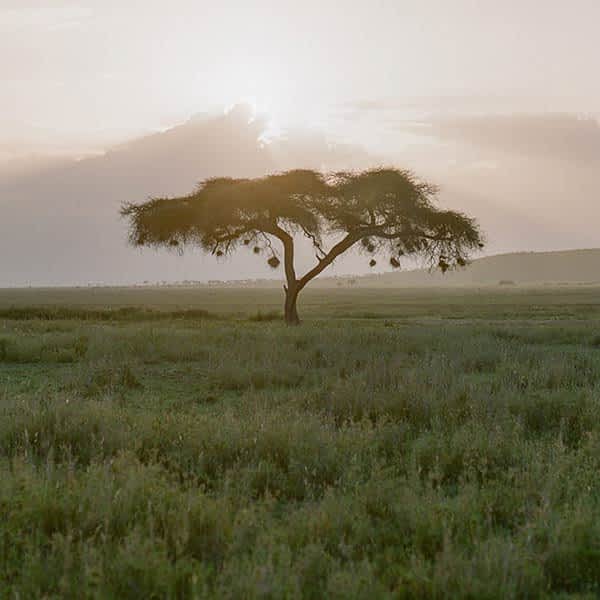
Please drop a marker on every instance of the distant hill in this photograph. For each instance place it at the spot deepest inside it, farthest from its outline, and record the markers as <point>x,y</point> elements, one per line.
<point>566,266</point>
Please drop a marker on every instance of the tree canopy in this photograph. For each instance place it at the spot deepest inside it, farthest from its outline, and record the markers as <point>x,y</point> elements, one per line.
<point>387,212</point>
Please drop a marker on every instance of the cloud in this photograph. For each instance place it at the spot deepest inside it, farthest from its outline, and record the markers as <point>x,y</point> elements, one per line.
<point>440,104</point>
<point>557,136</point>
<point>64,217</point>
<point>59,220</point>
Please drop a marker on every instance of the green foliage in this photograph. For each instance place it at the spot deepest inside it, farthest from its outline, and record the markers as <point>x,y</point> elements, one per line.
<point>351,458</point>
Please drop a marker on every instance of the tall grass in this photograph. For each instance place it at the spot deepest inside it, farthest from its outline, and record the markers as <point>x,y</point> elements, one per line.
<point>201,459</point>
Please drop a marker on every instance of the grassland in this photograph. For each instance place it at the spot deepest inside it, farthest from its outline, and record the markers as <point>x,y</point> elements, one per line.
<point>399,444</point>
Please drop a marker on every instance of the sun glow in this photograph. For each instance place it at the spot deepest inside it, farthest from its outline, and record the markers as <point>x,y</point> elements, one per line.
<point>268,89</point>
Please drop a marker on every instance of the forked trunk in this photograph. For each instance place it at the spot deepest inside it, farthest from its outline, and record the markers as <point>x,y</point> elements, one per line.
<point>291,310</point>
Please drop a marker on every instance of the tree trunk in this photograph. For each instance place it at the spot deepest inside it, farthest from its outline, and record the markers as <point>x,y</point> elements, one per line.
<point>291,311</point>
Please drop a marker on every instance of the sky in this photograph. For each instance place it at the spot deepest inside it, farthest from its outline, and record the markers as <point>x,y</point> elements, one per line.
<point>84,73</point>
<point>496,102</point>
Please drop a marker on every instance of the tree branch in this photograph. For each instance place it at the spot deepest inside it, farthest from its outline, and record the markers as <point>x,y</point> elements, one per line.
<point>351,239</point>
<point>268,242</point>
<point>338,249</point>
<point>315,241</point>
<point>288,250</point>
<point>379,232</point>
<point>229,237</point>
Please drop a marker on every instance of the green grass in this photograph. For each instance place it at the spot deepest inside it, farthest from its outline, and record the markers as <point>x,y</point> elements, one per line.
<point>406,450</point>
<point>316,302</point>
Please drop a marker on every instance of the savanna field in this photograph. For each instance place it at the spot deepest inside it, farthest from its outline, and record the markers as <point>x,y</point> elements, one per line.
<point>184,443</point>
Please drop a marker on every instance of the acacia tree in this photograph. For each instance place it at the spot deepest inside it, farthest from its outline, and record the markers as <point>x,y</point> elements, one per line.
<point>382,211</point>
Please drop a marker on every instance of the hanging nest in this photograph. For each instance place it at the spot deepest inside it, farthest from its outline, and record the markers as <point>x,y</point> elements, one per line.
<point>372,262</point>
<point>256,249</point>
<point>173,243</point>
<point>367,244</point>
<point>461,262</point>
<point>219,252</point>
<point>273,262</point>
<point>443,265</point>
<point>246,242</point>
<point>395,262</point>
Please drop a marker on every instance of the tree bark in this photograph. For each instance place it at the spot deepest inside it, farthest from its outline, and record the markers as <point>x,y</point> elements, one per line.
<point>291,310</point>
<point>294,285</point>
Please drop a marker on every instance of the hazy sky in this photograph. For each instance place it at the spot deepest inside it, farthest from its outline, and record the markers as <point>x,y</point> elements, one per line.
<point>75,73</point>
<point>496,101</point>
